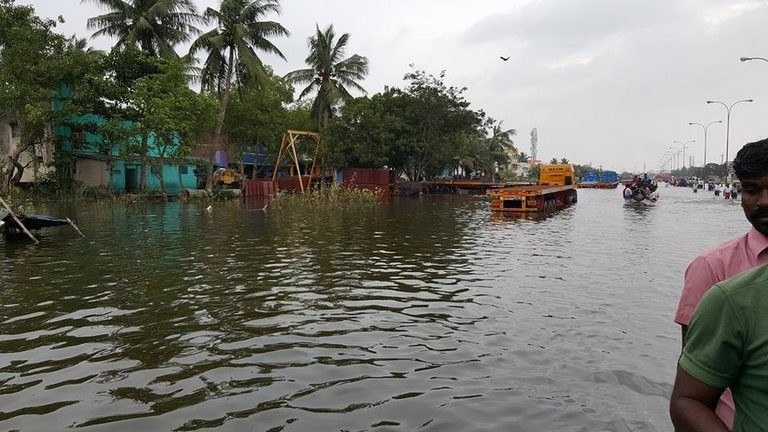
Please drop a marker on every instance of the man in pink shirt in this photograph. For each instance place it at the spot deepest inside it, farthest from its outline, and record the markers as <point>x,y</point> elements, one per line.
<point>736,255</point>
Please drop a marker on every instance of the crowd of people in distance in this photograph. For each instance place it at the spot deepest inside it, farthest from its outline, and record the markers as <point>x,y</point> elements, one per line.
<point>729,190</point>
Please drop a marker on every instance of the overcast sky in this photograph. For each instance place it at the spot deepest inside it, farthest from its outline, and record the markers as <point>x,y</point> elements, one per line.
<point>606,82</point>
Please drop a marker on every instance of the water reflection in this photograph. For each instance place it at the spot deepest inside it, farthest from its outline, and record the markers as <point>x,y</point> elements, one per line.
<point>424,314</point>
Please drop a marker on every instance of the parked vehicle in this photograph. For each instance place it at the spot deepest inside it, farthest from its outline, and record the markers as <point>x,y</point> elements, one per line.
<point>227,177</point>
<point>555,190</point>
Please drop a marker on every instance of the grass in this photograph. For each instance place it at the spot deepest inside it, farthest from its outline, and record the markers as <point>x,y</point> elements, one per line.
<point>326,197</point>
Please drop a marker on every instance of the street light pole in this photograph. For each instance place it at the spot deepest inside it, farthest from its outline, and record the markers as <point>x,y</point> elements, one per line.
<point>728,130</point>
<point>743,59</point>
<point>704,165</point>
<point>669,154</point>
<point>684,146</point>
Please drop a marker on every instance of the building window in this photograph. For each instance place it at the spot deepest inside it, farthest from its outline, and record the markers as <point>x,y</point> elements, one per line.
<point>183,169</point>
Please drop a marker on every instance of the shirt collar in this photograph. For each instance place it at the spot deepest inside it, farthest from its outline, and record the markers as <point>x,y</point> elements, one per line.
<point>756,241</point>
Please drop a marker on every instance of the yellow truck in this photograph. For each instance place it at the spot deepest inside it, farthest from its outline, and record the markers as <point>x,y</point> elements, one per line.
<point>226,177</point>
<point>556,189</point>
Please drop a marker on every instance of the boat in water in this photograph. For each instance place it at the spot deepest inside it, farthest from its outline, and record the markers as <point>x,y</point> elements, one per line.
<point>12,228</point>
<point>641,192</point>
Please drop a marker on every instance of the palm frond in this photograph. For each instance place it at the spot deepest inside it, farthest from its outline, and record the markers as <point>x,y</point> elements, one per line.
<point>338,50</point>
<point>300,76</point>
<point>156,26</point>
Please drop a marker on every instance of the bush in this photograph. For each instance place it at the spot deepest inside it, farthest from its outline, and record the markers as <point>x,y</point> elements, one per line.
<point>326,196</point>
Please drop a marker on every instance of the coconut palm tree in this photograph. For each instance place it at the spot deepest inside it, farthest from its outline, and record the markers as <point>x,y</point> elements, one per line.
<point>81,45</point>
<point>503,137</point>
<point>232,47</point>
<point>155,26</point>
<point>523,157</point>
<point>501,143</point>
<point>233,43</point>
<point>328,75</point>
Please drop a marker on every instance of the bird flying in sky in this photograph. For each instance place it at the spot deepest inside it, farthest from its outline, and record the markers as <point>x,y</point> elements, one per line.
<point>504,58</point>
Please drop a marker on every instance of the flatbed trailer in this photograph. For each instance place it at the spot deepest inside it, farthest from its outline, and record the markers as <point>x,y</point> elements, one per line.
<point>533,198</point>
<point>448,186</point>
<point>555,191</point>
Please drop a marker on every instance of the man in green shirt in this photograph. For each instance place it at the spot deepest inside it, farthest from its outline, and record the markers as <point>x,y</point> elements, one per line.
<point>727,343</point>
<point>726,346</point>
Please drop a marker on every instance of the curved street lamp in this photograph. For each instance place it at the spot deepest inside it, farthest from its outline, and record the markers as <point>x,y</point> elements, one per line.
<point>705,140</point>
<point>671,154</point>
<point>728,127</point>
<point>743,59</point>
<point>669,157</point>
<point>684,146</point>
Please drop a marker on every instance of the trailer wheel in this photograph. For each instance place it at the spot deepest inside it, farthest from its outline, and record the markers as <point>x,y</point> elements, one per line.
<point>549,206</point>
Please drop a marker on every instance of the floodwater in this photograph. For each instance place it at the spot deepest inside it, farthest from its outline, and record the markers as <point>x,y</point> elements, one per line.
<point>426,314</point>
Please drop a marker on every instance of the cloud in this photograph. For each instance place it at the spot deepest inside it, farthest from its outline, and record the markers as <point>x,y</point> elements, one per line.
<point>611,82</point>
<point>572,25</point>
<point>723,13</point>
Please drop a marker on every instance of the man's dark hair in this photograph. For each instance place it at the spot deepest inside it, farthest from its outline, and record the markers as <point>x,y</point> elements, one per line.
<point>752,160</point>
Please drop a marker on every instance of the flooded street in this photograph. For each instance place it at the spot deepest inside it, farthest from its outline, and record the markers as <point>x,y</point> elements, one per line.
<point>425,314</point>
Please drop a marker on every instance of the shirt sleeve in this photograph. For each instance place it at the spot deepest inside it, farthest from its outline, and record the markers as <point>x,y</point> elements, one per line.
<point>715,341</point>
<point>699,278</point>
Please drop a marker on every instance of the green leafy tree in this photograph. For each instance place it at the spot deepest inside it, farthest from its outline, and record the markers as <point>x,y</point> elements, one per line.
<point>441,116</point>
<point>564,161</point>
<point>523,157</point>
<point>490,149</point>
<point>330,76</point>
<point>173,115</point>
<point>33,61</point>
<point>123,71</point>
<point>239,32</point>
<point>371,133</point>
<point>104,106</point>
<point>258,116</point>
<point>553,161</point>
<point>419,131</point>
<point>154,26</point>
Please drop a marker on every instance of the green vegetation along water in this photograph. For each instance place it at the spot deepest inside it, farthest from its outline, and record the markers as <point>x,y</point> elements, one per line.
<point>424,314</point>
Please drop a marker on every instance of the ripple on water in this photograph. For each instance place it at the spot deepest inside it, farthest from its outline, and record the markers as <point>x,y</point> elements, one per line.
<point>425,314</point>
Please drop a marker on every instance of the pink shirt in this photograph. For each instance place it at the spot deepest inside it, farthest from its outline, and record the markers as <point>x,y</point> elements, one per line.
<point>715,265</point>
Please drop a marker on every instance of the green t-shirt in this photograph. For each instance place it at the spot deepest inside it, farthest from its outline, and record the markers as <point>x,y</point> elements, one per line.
<point>727,344</point>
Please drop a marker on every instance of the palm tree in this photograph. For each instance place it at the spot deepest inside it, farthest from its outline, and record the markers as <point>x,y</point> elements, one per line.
<point>81,45</point>
<point>155,26</point>
<point>502,138</point>
<point>564,161</point>
<point>523,157</point>
<point>328,74</point>
<point>232,45</point>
